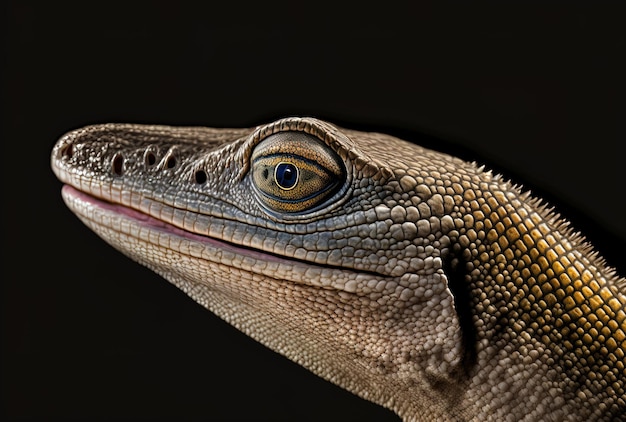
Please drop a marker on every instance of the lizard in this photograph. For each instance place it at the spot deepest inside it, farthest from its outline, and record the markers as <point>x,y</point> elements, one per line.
<point>416,280</point>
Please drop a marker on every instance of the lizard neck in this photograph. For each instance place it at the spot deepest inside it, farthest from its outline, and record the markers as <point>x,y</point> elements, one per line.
<point>532,294</point>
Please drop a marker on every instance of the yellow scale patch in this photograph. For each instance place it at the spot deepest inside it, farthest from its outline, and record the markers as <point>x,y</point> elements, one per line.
<point>563,283</point>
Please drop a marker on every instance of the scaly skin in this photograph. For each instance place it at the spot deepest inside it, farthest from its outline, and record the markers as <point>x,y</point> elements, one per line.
<point>409,277</point>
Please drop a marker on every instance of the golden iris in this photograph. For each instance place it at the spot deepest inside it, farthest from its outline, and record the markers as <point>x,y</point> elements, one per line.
<point>294,172</point>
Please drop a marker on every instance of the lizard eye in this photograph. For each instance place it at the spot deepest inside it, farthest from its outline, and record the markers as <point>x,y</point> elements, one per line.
<point>294,172</point>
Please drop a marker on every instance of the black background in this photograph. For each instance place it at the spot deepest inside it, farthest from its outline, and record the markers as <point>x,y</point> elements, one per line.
<point>536,92</point>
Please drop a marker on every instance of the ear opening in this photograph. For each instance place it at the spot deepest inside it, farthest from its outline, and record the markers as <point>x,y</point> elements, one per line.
<point>460,290</point>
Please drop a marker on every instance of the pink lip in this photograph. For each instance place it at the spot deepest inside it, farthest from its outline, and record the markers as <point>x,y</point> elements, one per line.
<point>146,220</point>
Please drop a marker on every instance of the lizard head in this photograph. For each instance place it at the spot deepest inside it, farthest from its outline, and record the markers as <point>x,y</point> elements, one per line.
<point>325,244</point>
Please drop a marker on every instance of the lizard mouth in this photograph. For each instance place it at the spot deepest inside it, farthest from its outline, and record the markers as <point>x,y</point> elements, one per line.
<point>95,210</point>
<point>113,221</point>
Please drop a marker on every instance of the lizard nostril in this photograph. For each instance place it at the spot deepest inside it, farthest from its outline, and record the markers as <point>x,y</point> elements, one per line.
<point>118,164</point>
<point>150,159</point>
<point>200,177</point>
<point>171,162</point>
<point>67,151</point>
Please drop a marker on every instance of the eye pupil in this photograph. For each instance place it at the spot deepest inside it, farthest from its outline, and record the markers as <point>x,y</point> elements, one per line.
<point>286,176</point>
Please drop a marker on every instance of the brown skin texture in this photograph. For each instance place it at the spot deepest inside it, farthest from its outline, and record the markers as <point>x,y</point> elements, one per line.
<point>417,281</point>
